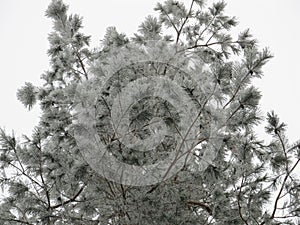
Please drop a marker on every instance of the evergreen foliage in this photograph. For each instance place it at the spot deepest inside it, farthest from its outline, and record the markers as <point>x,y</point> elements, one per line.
<point>46,180</point>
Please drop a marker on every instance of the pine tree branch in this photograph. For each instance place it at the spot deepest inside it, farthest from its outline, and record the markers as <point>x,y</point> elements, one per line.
<point>260,61</point>
<point>293,147</point>
<point>184,22</point>
<point>184,138</point>
<point>110,187</point>
<point>275,208</point>
<point>15,220</point>
<point>239,202</point>
<point>170,20</point>
<point>283,149</point>
<point>26,175</point>
<point>285,217</point>
<point>237,90</point>
<point>209,39</point>
<point>82,65</point>
<point>201,205</point>
<point>22,168</point>
<point>45,187</point>
<point>281,189</point>
<point>234,112</point>
<point>70,200</point>
<point>208,45</point>
<point>207,26</point>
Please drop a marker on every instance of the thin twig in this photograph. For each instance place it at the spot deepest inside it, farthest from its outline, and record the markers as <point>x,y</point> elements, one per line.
<point>70,200</point>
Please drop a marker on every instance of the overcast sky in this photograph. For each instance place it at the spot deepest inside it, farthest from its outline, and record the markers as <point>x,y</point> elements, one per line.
<point>23,45</point>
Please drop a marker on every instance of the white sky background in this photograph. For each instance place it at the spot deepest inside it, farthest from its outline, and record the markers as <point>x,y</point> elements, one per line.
<point>23,45</point>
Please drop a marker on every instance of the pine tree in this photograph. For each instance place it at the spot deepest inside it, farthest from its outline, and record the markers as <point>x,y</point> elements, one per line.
<point>182,88</point>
